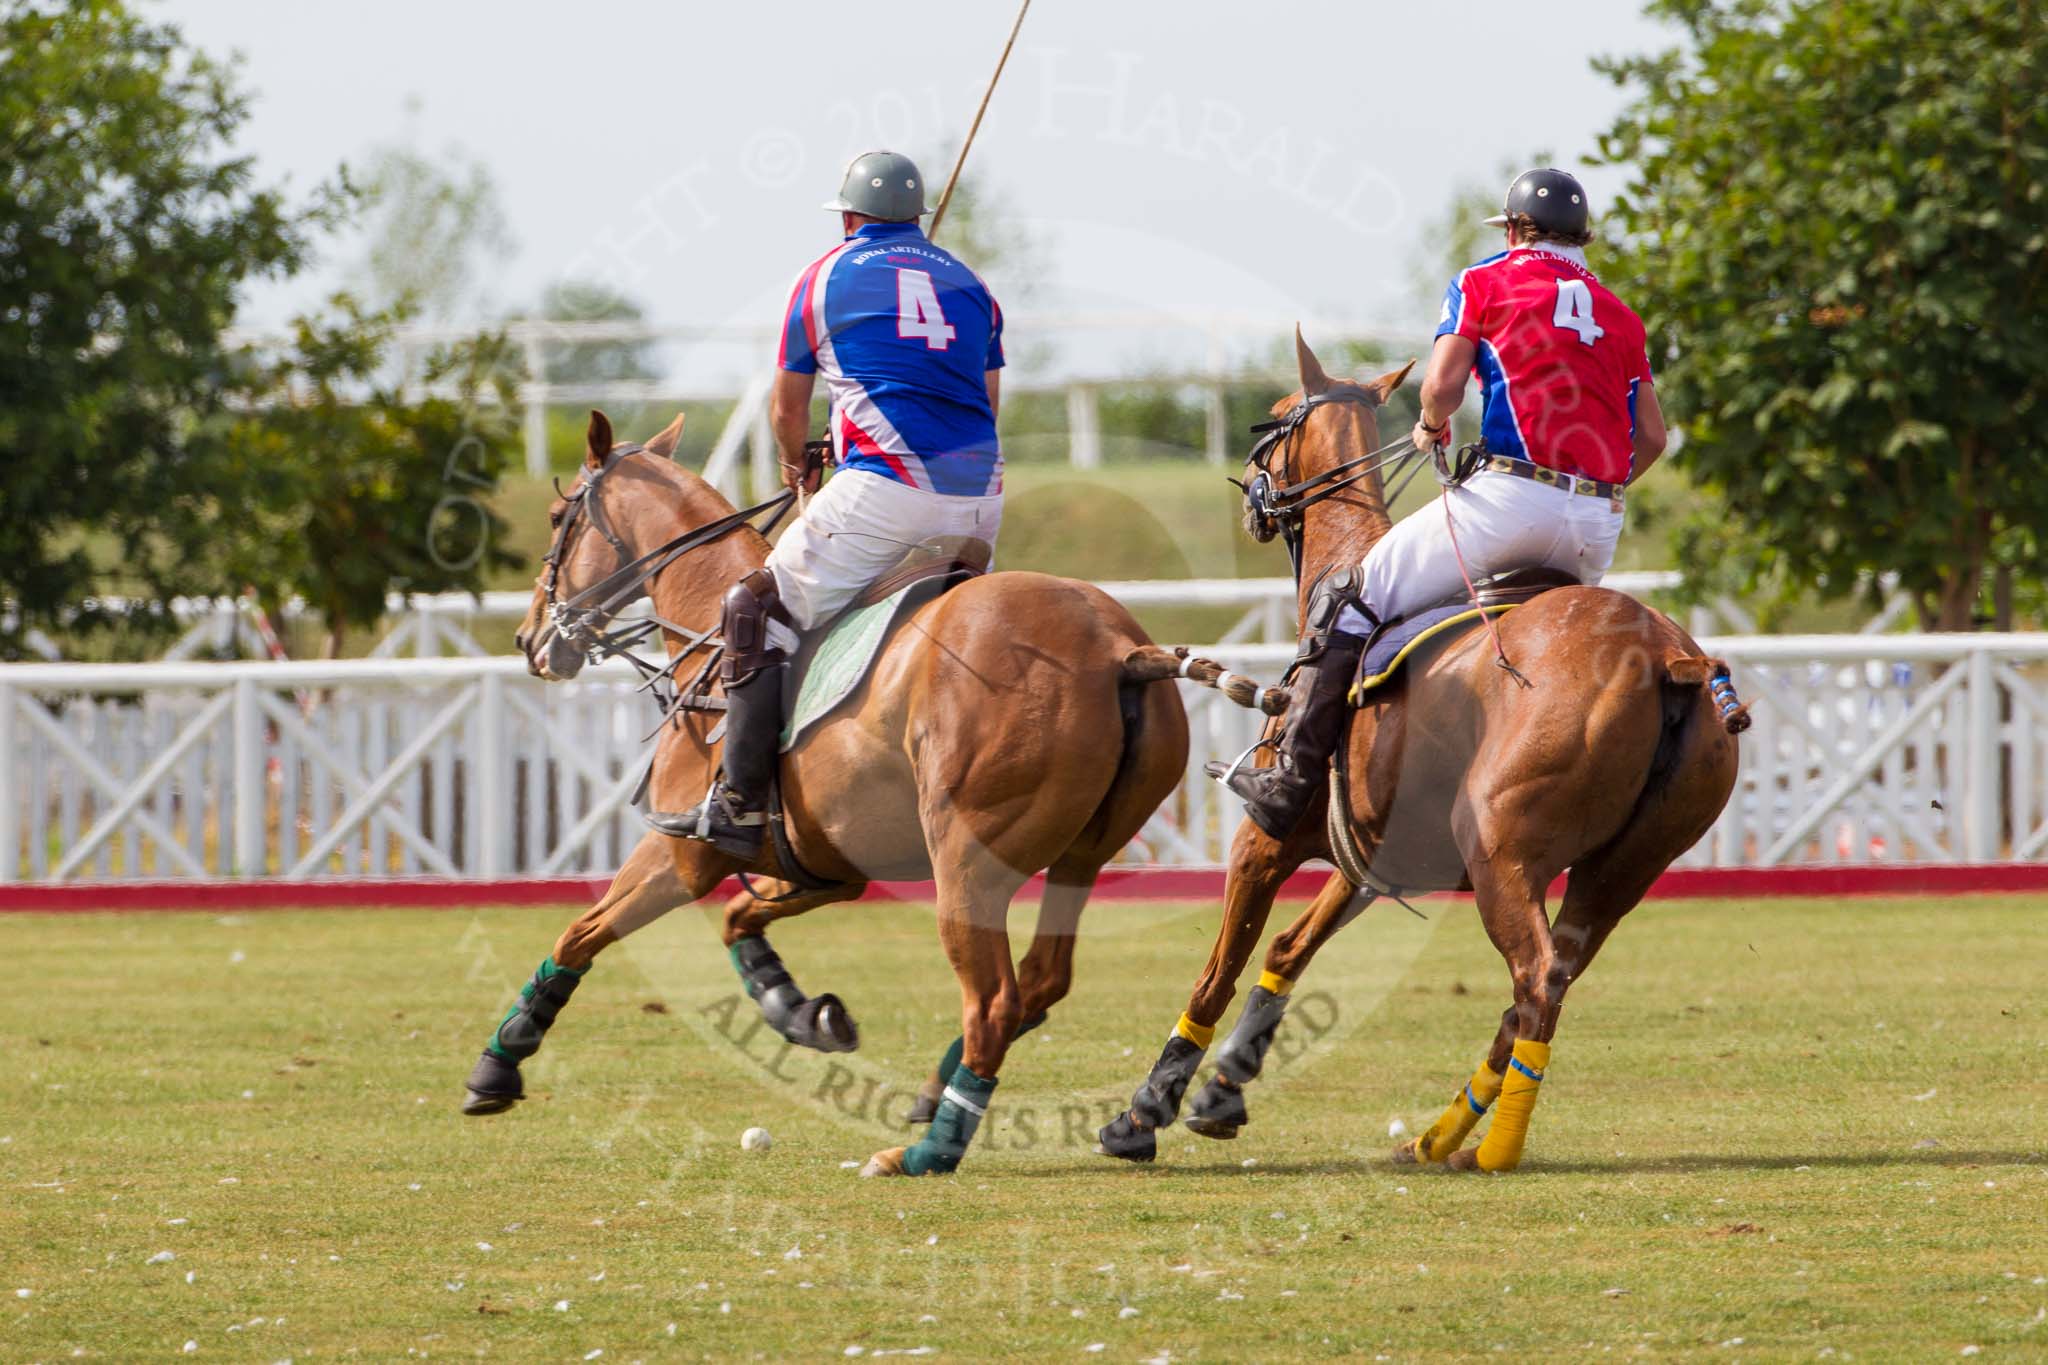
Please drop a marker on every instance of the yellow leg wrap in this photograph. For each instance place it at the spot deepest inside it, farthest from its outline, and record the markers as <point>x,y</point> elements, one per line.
<point>1460,1116</point>
<point>1275,983</point>
<point>1198,1034</point>
<point>1501,1148</point>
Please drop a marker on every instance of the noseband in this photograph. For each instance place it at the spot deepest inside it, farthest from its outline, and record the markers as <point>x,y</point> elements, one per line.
<point>1273,502</point>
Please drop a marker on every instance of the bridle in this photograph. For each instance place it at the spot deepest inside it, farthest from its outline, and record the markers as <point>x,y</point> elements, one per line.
<point>582,618</point>
<point>1274,503</point>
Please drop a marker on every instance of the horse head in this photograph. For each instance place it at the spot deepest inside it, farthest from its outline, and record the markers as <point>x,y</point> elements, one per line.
<point>596,529</point>
<point>1306,454</point>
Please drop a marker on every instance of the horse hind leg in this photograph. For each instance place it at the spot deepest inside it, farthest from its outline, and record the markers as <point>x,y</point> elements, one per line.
<point>1219,1110</point>
<point>974,893</point>
<point>647,887</point>
<point>819,1022</point>
<point>1043,977</point>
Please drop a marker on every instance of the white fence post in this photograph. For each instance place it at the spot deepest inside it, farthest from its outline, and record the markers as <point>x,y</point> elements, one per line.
<point>536,397</point>
<point>490,813</point>
<point>1084,428</point>
<point>247,850</point>
<point>1216,428</point>
<point>1981,814</point>
<point>11,798</point>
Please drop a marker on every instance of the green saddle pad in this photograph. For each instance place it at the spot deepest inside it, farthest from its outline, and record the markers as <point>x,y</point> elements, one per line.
<point>830,667</point>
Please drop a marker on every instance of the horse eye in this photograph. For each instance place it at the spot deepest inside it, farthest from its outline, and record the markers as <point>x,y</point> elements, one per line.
<point>554,516</point>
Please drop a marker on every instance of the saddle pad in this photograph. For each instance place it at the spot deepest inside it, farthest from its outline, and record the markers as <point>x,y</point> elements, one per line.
<point>832,665</point>
<point>1405,638</point>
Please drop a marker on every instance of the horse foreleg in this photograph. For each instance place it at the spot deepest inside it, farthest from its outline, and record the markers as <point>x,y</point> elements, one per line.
<point>1043,977</point>
<point>820,1022</point>
<point>646,888</point>
<point>1218,1109</point>
<point>1258,865</point>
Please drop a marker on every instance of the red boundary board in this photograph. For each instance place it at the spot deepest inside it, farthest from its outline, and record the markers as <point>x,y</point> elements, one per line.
<point>1147,883</point>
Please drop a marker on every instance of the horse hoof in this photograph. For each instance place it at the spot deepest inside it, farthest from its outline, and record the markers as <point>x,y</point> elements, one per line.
<point>1125,1140</point>
<point>1408,1153</point>
<point>822,1023</point>
<point>888,1162</point>
<point>1218,1111</point>
<point>493,1086</point>
<point>1464,1159</point>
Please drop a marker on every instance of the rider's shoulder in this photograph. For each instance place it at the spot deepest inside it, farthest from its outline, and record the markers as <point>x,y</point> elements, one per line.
<point>1495,259</point>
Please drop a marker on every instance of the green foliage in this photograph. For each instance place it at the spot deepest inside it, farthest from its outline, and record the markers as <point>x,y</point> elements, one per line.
<point>350,489</point>
<point>126,231</point>
<point>1838,227</point>
<point>146,455</point>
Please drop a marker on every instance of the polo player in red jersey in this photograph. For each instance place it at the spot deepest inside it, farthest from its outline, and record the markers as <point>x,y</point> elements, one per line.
<point>1569,420</point>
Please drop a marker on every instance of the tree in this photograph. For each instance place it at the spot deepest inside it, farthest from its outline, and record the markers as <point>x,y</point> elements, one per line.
<point>125,233</point>
<point>1838,214</point>
<point>351,488</point>
<point>434,232</point>
<point>595,362</point>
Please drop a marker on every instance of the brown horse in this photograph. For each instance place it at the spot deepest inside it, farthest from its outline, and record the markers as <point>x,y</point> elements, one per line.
<point>1010,725</point>
<point>1602,751</point>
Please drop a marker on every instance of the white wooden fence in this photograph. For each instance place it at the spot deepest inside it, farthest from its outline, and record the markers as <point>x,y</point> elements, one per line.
<point>1865,749</point>
<point>430,625</point>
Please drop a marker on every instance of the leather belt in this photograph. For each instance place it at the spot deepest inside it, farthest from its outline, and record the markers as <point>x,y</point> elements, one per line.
<point>1543,474</point>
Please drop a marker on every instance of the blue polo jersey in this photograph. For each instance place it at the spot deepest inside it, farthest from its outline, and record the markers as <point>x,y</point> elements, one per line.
<point>904,334</point>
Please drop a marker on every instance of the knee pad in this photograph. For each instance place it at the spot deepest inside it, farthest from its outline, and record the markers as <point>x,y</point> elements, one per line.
<point>752,607</point>
<point>1333,592</point>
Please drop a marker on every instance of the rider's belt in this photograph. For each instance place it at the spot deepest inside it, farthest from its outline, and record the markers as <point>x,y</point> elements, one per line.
<point>1570,483</point>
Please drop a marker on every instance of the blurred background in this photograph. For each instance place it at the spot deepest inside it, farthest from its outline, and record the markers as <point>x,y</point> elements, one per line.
<point>416,228</point>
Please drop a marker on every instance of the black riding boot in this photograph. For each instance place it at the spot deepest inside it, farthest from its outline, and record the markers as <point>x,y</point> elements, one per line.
<point>735,812</point>
<point>1275,797</point>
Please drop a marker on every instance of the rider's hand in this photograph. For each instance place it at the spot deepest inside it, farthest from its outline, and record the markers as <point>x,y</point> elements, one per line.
<point>1427,440</point>
<point>802,478</point>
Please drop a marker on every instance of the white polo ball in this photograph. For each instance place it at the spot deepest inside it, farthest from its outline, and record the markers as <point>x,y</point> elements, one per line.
<point>756,1140</point>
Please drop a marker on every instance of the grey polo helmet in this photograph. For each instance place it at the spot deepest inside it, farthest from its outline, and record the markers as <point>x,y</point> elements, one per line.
<point>884,185</point>
<point>1554,200</point>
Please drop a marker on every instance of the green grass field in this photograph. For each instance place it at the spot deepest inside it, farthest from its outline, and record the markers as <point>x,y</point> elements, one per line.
<point>1779,1130</point>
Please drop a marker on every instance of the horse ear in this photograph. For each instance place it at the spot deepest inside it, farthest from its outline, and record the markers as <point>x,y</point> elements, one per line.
<point>599,440</point>
<point>671,435</point>
<point>1313,380</point>
<point>1385,385</point>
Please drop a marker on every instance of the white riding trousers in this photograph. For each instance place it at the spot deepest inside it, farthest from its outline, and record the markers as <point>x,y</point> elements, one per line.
<point>855,529</point>
<point>1502,523</point>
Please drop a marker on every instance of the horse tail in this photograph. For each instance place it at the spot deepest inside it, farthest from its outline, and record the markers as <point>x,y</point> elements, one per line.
<point>1151,663</point>
<point>1689,672</point>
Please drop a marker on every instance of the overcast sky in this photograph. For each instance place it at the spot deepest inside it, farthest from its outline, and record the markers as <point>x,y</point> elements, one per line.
<point>1277,159</point>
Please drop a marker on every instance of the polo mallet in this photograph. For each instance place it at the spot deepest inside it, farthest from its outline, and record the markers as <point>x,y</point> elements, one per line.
<point>946,195</point>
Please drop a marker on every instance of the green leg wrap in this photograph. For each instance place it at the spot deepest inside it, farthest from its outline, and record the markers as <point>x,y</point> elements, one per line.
<point>939,1151</point>
<point>527,1022</point>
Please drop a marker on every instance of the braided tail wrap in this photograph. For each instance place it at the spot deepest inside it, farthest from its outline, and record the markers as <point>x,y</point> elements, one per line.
<point>1501,1148</point>
<point>1460,1116</point>
<point>1151,663</point>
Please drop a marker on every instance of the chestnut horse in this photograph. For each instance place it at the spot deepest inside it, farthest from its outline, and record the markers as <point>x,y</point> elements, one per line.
<point>1010,725</point>
<point>1603,751</point>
